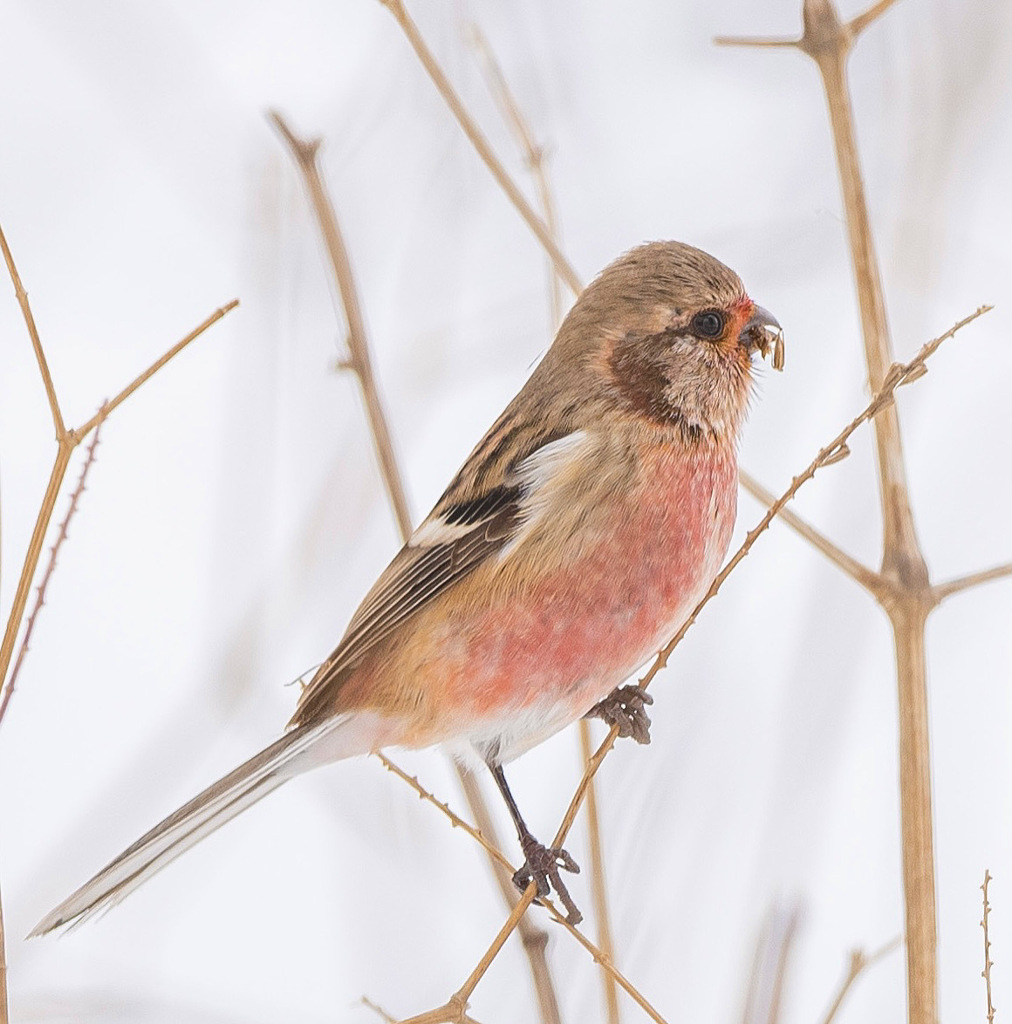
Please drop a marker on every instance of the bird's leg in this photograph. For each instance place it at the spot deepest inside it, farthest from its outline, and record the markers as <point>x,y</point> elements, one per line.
<point>541,863</point>
<point>626,708</point>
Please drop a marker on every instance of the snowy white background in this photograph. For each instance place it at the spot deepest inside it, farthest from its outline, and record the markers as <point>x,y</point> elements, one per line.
<point>235,515</point>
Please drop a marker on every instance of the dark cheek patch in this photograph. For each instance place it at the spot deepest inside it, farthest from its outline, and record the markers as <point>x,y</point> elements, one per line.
<point>638,371</point>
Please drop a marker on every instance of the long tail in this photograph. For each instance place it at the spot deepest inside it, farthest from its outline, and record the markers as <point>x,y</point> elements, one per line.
<point>219,803</point>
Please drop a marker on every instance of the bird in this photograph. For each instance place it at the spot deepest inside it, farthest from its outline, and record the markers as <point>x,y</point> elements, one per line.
<point>577,537</point>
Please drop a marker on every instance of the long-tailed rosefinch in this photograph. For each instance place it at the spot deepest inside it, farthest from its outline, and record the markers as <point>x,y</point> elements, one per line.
<point>574,541</point>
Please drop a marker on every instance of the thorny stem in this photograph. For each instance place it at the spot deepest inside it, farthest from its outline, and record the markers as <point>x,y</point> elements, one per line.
<point>867,578</point>
<point>47,575</point>
<point>986,973</point>
<point>481,145</point>
<point>534,939</point>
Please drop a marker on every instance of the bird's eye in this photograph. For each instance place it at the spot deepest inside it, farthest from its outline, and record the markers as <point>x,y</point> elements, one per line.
<point>709,324</point>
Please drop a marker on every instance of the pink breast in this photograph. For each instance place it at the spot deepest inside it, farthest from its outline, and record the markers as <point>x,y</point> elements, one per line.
<point>582,629</point>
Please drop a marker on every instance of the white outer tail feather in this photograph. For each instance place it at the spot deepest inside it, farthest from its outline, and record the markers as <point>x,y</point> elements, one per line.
<point>297,751</point>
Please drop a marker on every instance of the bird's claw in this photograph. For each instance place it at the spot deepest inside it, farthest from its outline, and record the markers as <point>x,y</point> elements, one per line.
<point>542,865</point>
<point>625,707</point>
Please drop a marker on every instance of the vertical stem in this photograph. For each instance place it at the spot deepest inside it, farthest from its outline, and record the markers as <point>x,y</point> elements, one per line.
<point>3,971</point>
<point>908,620</point>
<point>599,890</point>
<point>828,41</point>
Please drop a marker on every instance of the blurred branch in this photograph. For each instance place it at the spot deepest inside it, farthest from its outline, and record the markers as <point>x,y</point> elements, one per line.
<point>868,578</point>
<point>305,154</point>
<point>360,361</point>
<point>859,961</point>
<point>769,966</point>
<point>988,964</point>
<point>944,590</point>
<point>481,144</point>
<point>534,154</point>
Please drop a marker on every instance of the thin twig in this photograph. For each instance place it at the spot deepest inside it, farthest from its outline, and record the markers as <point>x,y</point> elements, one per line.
<point>533,938</point>
<point>867,578</point>
<point>377,1009</point>
<point>859,961</point>
<point>975,579</point>
<point>988,964</point>
<point>481,144</point>
<point>33,333</point>
<point>599,955</point>
<point>47,574</point>
<point>898,375</point>
<point>534,154</point>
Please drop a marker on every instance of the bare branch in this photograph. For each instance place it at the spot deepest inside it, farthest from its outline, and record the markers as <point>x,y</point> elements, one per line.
<point>40,600</point>
<point>975,579</point>
<point>859,23</point>
<point>746,41</point>
<point>988,964</point>
<point>481,144</point>
<point>80,433</point>
<point>859,961</point>
<point>534,153</point>
<point>33,333</point>
<point>867,578</point>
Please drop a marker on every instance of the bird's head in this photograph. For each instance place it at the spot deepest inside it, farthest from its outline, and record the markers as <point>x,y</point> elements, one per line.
<point>670,334</point>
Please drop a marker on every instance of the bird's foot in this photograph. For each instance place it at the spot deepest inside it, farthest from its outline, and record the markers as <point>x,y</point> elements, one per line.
<point>542,864</point>
<point>625,707</point>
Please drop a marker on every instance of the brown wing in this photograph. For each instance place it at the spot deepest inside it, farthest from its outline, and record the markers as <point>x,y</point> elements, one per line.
<point>462,537</point>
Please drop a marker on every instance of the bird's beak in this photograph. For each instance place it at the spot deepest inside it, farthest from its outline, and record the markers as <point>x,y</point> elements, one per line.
<point>762,330</point>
